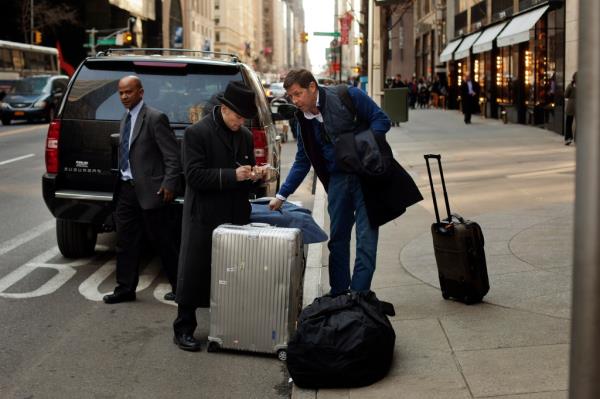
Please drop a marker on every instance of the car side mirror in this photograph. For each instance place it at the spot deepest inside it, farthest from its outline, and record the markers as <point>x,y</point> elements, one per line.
<point>285,111</point>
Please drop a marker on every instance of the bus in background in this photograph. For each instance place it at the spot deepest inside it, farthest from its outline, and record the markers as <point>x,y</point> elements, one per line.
<point>20,60</point>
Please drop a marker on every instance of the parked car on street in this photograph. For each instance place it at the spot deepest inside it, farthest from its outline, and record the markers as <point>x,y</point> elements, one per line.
<point>82,142</point>
<point>33,98</point>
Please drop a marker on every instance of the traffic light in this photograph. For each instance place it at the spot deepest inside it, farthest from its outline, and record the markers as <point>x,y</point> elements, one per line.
<point>127,38</point>
<point>303,37</point>
<point>37,37</point>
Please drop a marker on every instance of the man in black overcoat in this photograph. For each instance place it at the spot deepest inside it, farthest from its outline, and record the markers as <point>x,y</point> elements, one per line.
<point>469,95</point>
<point>218,162</point>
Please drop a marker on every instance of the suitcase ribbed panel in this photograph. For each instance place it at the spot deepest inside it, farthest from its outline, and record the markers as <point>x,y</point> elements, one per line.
<point>256,287</point>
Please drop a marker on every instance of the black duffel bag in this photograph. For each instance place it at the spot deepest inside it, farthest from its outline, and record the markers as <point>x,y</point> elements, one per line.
<point>342,341</point>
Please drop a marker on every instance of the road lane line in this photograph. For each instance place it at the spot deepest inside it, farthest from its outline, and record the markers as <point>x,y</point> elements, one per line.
<point>16,159</point>
<point>25,237</point>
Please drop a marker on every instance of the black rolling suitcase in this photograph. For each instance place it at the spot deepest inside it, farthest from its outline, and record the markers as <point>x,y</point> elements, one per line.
<point>458,247</point>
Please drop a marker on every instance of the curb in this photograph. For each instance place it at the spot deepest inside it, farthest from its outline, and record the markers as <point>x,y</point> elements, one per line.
<point>313,287</point>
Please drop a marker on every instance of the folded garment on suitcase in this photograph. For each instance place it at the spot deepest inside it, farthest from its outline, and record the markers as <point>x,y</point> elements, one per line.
<point>291,215</point>
<point>342,341</point>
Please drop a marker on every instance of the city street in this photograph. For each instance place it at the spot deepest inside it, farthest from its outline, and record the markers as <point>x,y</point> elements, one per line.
<point>59,340</point>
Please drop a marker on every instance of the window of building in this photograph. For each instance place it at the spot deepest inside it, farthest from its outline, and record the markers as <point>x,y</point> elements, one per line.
<point>501,9</point>
<point>460,23</point>
<point>217,4</point>
<point>426,7</point>
<point>218,36</point>
<point>217,21</point>
<point>478,14</point>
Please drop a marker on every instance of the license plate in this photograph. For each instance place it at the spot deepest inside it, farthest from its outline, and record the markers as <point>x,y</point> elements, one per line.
<point>19,113</point>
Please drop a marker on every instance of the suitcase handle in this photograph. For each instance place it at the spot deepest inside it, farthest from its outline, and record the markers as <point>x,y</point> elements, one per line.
<point>435,205</point>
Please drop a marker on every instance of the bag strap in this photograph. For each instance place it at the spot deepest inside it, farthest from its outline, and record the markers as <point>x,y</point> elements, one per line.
<point>342,91</point>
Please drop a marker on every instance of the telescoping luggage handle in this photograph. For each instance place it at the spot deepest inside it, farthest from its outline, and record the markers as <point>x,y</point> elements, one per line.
<point>437,214</point>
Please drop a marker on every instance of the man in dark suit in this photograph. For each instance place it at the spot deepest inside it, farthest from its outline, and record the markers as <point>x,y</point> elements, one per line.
<point>469,95</point>
<point>149,169</point>
<point>218,162</point>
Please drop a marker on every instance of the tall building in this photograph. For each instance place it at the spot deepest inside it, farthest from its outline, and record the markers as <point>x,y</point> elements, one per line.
<point>234,28</point>
<point>400,52</point>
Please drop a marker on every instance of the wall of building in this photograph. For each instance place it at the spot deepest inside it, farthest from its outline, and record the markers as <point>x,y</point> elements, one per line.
<point>571,37</point>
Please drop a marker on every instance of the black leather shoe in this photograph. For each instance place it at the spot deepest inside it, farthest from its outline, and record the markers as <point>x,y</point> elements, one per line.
<point>169,296</point>
<point>119,297</point>
<point>187,342</point>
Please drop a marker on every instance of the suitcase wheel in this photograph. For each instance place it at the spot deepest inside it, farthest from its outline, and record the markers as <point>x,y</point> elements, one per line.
<point>213,346</point>
<point>445,295</point>
<point>282,355</point>
<point>471,300</point>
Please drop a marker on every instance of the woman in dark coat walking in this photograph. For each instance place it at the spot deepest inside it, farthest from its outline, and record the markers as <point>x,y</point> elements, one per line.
<point>218,162</point>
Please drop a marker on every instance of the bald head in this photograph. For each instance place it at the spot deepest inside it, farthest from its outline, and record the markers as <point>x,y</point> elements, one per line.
<point>131,91</point>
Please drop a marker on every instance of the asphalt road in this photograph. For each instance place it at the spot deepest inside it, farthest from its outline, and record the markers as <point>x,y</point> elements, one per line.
<point>59,340</point>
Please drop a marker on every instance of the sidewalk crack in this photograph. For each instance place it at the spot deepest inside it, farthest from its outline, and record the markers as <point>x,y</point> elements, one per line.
<point>456,362</point>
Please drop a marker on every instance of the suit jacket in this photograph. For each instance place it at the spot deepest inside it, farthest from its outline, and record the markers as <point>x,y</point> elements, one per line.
<point>213,196</point>
<point>154,156</point>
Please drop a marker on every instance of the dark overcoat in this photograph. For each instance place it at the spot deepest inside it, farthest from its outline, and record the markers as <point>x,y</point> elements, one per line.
<point>213,196</point>
<point>470,104</point>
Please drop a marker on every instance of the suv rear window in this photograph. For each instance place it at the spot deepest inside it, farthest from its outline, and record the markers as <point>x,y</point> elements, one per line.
<point>180,90</point>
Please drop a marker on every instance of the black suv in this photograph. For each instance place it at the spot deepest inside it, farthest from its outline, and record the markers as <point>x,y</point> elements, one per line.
<point>35,97</point>
<point>82,142</point>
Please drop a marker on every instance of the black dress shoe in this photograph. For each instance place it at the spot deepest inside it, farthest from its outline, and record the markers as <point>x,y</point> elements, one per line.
<point>119,297</point>
<point>187,342</point>
<point>169,296</point>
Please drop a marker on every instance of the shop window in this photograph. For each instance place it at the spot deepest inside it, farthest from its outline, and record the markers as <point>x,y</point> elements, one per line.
<point>505,80</point>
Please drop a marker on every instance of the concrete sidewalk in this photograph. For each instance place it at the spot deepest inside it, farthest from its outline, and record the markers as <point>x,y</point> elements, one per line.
<point>518,183</point>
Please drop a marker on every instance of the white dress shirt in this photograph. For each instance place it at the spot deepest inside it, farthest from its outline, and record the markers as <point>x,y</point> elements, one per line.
<point>134,112</point>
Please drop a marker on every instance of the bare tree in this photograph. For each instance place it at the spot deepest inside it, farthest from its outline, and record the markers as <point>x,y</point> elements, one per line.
<point>48,17</point>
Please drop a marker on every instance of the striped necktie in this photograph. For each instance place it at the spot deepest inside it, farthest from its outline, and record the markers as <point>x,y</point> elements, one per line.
<point>124,151</point>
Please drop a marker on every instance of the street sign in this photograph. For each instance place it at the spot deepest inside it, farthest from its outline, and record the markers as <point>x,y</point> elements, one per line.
<point>107,41</point>
<point>334,34</point>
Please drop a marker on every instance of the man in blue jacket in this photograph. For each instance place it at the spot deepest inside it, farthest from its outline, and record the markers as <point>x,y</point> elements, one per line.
<point>321,117</point>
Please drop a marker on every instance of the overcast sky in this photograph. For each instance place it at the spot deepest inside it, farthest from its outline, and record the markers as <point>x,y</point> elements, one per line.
<point>318,17</point>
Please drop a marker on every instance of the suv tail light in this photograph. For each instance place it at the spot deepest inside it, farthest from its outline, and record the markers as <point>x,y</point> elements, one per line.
<point>52,147</point>
<point>261,148</point>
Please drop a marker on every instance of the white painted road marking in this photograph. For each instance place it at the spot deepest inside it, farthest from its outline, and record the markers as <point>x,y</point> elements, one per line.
<point>25,237</point>
<point>16,159</point>
<point>65,271</point>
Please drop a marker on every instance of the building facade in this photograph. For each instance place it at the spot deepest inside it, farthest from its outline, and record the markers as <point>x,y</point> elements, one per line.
<point>515,49</point>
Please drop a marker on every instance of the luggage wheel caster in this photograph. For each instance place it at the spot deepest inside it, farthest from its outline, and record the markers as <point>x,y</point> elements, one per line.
<point>282,355</point>
<point>212,347</point>
<point>469,300</point>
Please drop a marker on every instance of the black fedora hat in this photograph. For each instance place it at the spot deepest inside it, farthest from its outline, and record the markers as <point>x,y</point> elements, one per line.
<point>240,99</point>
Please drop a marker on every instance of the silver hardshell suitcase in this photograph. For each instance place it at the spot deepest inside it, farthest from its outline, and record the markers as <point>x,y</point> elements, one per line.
<point>256,287</point>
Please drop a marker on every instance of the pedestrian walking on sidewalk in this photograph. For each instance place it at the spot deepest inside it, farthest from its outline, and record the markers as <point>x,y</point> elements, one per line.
<point>149,168</point>
<point>570,111</point>
<point>469,96</point>
<point>322,116</point>
<point>218,162</point>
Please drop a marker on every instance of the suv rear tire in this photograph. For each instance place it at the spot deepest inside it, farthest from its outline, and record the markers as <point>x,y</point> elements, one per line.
<point>75,240</point>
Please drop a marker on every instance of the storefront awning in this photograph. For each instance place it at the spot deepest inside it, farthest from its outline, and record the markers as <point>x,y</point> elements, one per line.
<point>485,41</point>
<point>465,46</point>
<point>447,53</point>
<point>517,30</point>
